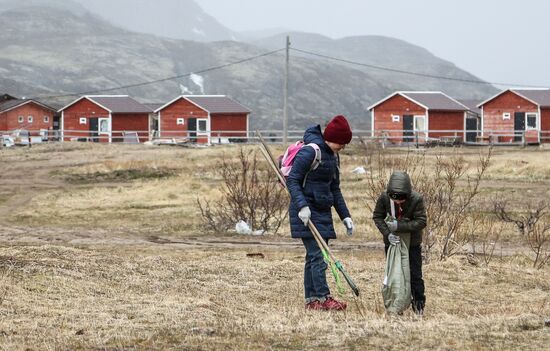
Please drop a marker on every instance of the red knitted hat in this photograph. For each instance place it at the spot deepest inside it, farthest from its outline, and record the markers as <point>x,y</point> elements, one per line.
<point>338,131</point>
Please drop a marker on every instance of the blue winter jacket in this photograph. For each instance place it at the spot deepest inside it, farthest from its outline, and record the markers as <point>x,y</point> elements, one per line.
<point>321,191</point>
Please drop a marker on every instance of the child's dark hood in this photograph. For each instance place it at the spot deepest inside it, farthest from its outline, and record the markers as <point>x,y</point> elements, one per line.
<point>400,182</point>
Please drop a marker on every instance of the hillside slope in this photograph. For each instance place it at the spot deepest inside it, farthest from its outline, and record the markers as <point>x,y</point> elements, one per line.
<point>79,52</point>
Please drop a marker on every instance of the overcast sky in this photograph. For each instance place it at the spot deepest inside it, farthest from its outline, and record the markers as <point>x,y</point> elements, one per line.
<point>497,40</point>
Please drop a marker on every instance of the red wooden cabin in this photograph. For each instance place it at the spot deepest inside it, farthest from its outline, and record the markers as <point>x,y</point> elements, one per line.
<point>27,114</point>
<point>410,116</point>
<point>203,119</point>
<point>517,115</point>
<point>105,118</point>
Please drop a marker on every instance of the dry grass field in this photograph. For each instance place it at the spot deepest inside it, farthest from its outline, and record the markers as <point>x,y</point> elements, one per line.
<point>103,248</point>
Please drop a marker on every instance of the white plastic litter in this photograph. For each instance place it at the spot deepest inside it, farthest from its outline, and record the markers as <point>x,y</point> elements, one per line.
<point>242,228</point>
<point>359,170</point>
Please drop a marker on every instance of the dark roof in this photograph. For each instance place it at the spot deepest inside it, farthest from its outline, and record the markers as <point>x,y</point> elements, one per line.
<point>6,97</point>
<point>154,105</point>
<point>435,101</point>
<point>538,96</point>
<point>218,104</point>
<point>472,105</point>
<point>120,104</point>
<point>6,105</point>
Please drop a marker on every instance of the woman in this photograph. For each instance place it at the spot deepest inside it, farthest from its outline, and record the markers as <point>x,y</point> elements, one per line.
<point>313,194</point>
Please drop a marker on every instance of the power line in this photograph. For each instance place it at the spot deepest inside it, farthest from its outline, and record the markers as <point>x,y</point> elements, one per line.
<point>389,69</point>
<point>163,79</point>
<point>463,80</point>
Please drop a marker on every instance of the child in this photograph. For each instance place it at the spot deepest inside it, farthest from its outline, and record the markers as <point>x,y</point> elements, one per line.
<point>410,218</point>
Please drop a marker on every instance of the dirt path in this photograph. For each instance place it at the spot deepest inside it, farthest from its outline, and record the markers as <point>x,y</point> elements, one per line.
<point>260,243</point>
<point>24,183</point>
<point>25,174</point>
<point>22,180</point>
<point>14,235</point>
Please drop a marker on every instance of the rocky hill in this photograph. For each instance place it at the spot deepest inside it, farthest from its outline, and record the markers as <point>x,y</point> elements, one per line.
<point>378,52</point>
<point>54,51</point>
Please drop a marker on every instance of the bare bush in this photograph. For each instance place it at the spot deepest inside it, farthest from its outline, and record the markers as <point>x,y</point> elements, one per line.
<point>249,193</point>
<point>484,236</point>
<point>447,189</point>
<point>533,225</point>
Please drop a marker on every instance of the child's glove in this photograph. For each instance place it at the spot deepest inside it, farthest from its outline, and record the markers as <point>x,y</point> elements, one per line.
<point>349,226</point>
<point>392,225</point>
<point>394,239</point>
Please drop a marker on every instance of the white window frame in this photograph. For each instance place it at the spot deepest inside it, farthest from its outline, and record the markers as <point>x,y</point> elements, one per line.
<point>30,118</point>
<point>21,119</point>
<point>395,118</point>
<point>46,119</point>
<point>506,115</point>
<point>415,123</point>
<point>205,120</point>
<point>531,114</point>
<point>99,122</point>
<point>83,120</point>
<point>180,121</point>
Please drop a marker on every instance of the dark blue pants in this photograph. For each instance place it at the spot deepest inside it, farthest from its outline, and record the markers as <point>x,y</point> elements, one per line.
<point>315,280</point>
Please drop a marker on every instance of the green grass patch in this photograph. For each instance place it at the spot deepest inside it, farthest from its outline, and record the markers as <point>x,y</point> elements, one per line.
<point>122,175</point>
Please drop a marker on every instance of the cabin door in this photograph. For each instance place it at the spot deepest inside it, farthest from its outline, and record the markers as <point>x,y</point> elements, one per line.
<point>192,129</point>
<point>94,129</point>
<point>408,128</point>
<point>471,129</point>
<point>519,125</point>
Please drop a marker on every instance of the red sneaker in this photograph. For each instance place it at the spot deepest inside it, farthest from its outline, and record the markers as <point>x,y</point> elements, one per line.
<point>314,305</point>
<point>332,304</point>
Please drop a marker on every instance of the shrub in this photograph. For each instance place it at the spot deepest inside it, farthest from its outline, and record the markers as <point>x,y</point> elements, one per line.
<point>533,224</point>
<point>250,193</point>
<point>448,190</point>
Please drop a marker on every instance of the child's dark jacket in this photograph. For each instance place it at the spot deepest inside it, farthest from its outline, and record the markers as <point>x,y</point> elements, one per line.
<point>413,218</point>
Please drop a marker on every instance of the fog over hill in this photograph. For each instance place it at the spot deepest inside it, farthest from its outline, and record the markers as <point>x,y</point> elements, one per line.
<point>176,19</point>
<point>58,47</point>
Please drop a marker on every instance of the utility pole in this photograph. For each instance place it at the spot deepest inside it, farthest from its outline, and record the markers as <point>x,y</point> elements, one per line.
<point>285,103</point>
